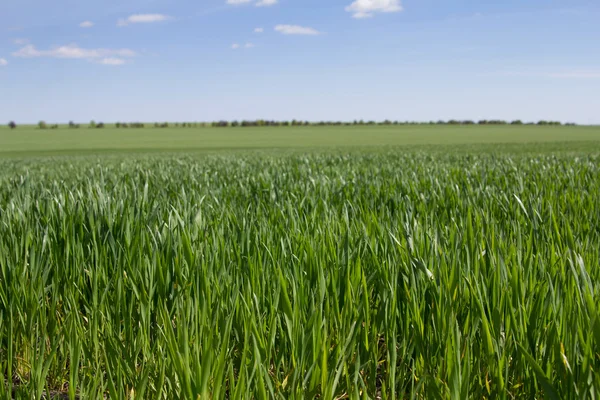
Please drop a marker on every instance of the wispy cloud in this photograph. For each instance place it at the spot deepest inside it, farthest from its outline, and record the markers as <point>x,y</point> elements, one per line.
<point>3,62</point>
<point>72,51</point>
<point>266,3</point>
<point>296,30</point>
<point>368,8</point>
<point>86,24</point>
<point>575,75</point>
<point>248,45</point>
<point>142,19</point>
<point>257,3</point>
<point>20,41</point>
<point>259,30</point>
<point>556,74</point>
<point>112,61</point>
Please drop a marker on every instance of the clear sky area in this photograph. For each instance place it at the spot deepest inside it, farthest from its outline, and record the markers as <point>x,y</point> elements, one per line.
<point>205,60</point>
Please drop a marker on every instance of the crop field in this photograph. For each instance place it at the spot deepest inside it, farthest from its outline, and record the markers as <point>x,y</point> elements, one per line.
<point>29,140</point>
<point>384,273</point>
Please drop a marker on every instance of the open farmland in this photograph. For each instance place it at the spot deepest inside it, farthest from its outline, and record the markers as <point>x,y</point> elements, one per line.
<point>438,272</point>
<point>29,140</point>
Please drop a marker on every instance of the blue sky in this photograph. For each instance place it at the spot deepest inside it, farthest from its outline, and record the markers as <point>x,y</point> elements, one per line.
<point>204,60</point>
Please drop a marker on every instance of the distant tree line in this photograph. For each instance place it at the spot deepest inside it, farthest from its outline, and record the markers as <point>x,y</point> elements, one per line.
<point>72,125</point>
<point>44,125</point>
<point>262,123</point>
<point>129,125</point>
<point>96,125</point>
<point>178,124</point>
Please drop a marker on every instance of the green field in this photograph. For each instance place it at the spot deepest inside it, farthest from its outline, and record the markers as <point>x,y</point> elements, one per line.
<point>30,140</point>
<point>350,267</point>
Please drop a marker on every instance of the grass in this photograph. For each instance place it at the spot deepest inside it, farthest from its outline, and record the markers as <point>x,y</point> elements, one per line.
<point>421,272</point>
<point>33,141</point>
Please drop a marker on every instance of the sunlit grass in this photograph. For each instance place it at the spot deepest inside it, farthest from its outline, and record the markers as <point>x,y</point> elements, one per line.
<point>367,275</point>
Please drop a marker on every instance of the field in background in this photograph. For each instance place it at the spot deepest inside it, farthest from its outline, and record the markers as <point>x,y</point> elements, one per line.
<point>32,141</point>
<point>190,263</point>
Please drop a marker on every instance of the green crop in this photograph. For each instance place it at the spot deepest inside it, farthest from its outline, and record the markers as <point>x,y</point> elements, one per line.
<point>371,274</point>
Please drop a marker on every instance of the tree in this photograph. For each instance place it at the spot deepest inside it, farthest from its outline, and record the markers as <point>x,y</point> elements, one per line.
<point>42,125</point>
<point>12,125</point>
<point>92,124</point>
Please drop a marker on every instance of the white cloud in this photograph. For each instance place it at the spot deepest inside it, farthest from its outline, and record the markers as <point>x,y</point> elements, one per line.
<point>3,62</point>
<point>86,24</point>
<point>258,3</point>
<point>367,8</point>
<point>112,61</point>
<point>237,46</point>
<point>20,41</point>
<point>361,15</point>
<point>143,19</point>
<point>266,3</point>
<point>259,30</point>
<point>72,51</point>
<point>296,30</point>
